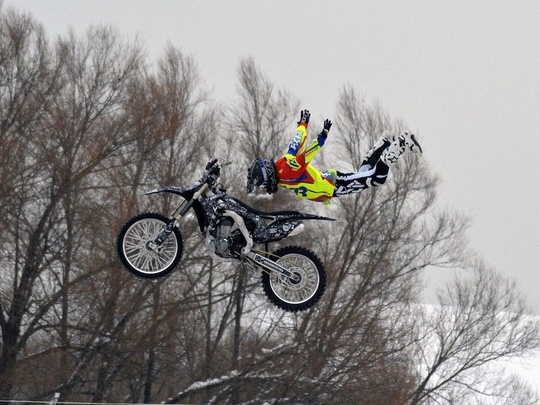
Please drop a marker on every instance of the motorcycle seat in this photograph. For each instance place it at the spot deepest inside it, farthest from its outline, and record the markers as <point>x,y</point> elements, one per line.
<point>267,214</point>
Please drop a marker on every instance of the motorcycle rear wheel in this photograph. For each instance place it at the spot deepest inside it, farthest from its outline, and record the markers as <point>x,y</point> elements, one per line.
<point>303,293</point>
<point>133,246</point>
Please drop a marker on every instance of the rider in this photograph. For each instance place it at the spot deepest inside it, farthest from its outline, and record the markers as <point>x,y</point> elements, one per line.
<point>295,171</point>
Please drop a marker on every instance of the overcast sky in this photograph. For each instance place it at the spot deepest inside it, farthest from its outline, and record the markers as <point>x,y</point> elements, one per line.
<point>463,75</point>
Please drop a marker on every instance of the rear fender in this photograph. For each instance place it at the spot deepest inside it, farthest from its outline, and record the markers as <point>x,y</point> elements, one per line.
<point>300,216</point>
<point>187,194</point>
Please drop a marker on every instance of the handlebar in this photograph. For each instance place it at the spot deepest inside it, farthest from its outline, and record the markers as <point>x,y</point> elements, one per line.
<point>212,172</point>
<point>211,163</point>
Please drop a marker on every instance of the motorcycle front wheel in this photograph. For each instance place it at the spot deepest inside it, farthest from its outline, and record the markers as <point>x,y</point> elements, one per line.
<point>133,246</point>
<point>309,283</point>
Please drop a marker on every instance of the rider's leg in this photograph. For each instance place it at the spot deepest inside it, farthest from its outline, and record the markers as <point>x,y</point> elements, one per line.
<point>349,183</point>
<point>374,154</point>
<point>376,164</point>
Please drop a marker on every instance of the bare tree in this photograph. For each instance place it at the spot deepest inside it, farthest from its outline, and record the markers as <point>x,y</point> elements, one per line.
<point>168,120</point>
<point>480,320</point>
<point>357,345</point>
<point>263,113</point>
<point>383,238</point>
<point>361,125</point>
<point>86,126</point>
<point>76,128</point>
<point>356,340</point>
<point>26,84</point>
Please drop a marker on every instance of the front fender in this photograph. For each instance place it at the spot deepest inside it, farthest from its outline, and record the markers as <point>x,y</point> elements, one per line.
<point>184,192</point>
<point>187,194</point>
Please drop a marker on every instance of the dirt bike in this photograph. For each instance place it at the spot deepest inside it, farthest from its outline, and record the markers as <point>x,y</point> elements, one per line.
<point>150,245</point>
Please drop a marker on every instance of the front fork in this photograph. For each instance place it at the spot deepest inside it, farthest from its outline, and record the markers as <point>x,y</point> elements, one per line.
<point>155,245</point>
<point>180,212</point>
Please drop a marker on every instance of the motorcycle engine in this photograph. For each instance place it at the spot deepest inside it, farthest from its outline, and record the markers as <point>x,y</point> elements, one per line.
<point>227,242</point>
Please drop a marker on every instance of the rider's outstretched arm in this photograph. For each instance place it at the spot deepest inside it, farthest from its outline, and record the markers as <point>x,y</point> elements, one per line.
<point>298,144</point>
<point>316,145</point>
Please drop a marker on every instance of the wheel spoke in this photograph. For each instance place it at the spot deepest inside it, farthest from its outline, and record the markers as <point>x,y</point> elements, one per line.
<point>296,292</point>
<point>139,255</point>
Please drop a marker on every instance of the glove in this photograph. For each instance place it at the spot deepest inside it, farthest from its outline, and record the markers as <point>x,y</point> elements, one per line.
<point>326,128</point>
<point>304,117</point>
